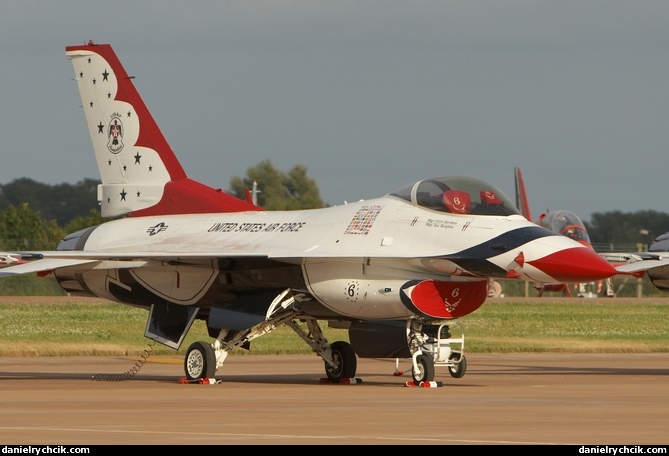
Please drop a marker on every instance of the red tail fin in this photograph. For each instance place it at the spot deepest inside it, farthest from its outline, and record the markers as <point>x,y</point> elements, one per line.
<point>140,173</point>
<point>521,195</point>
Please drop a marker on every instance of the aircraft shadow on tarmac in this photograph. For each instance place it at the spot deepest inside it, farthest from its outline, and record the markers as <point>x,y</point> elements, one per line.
<point>376,377</point>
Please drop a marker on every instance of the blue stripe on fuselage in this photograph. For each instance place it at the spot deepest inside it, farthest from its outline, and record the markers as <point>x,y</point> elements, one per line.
<point>474,259</point>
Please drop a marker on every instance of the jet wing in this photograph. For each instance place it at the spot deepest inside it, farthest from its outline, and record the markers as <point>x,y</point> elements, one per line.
<point>620,257</point>
<point>642,265</point>
<point>110,260</point>
<point>95,255</point>
<point>46,264</point>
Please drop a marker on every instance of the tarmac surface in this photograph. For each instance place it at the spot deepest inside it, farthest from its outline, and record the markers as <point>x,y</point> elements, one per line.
<point>503,399</point>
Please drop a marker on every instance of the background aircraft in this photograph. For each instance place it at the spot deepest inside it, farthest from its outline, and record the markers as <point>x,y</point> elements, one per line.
<point>397,270</point>
<point>568,224</point>
<point>660,276</point>
<point>10,258</point>
<point>657,254</point>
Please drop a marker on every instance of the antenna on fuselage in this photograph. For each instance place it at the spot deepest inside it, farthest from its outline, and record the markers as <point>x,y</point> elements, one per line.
<point>254,193</point>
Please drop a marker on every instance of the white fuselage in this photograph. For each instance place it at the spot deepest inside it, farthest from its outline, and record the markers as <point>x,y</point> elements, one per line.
<point>356,259</point>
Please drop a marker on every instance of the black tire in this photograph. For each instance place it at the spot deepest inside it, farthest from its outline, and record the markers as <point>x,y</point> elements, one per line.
<point>425,370</point>
<point>345,362</point>
<point>200,361</point>
<point>458,369</point>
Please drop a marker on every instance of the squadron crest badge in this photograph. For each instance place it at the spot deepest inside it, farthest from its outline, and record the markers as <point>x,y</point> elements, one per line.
<point>115,134</point>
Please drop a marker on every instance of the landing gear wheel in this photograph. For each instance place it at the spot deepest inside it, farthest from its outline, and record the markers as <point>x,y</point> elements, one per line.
<point>458,369</point>
<point>424,369</point>
<point>345,362</point>
<point>200,361</point>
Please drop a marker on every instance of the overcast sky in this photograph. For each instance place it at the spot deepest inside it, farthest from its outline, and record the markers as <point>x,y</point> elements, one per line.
<point>369,95</point>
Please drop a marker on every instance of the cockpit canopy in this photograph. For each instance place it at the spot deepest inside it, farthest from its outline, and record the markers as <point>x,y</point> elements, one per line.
<point>566,223</point>
<point>458,195</point>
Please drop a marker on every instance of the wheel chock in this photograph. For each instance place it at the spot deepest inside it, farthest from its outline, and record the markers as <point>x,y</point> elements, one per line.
<point>200,381</point>
<point>424,384</point>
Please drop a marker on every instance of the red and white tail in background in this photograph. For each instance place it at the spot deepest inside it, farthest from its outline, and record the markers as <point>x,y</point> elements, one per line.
<point>7,259</point>
<point>521,195</point>
<point>139,171</point>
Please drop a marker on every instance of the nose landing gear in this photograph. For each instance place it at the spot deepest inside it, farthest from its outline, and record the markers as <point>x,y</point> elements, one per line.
<point>434,346</point>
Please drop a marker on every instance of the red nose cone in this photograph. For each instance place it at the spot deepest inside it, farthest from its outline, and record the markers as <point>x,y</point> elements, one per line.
<point>575,265</point>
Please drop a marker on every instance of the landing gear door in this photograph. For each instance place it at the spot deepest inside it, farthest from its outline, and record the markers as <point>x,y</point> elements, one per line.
<point>169,323</point>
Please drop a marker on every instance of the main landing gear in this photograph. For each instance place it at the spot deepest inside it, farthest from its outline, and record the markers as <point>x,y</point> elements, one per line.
<point>200,361</point>
<point>203,359</point>
<point>344,362</point>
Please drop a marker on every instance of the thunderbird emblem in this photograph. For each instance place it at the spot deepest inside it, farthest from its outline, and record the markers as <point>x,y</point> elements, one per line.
<point>115,135</point>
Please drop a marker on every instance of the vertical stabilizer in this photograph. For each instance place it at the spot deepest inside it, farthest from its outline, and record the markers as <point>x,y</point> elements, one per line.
<point>521,195</point>
<point>139,171</point>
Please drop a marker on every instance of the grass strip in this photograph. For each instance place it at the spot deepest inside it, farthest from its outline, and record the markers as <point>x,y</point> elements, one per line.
<point>74,328</point>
